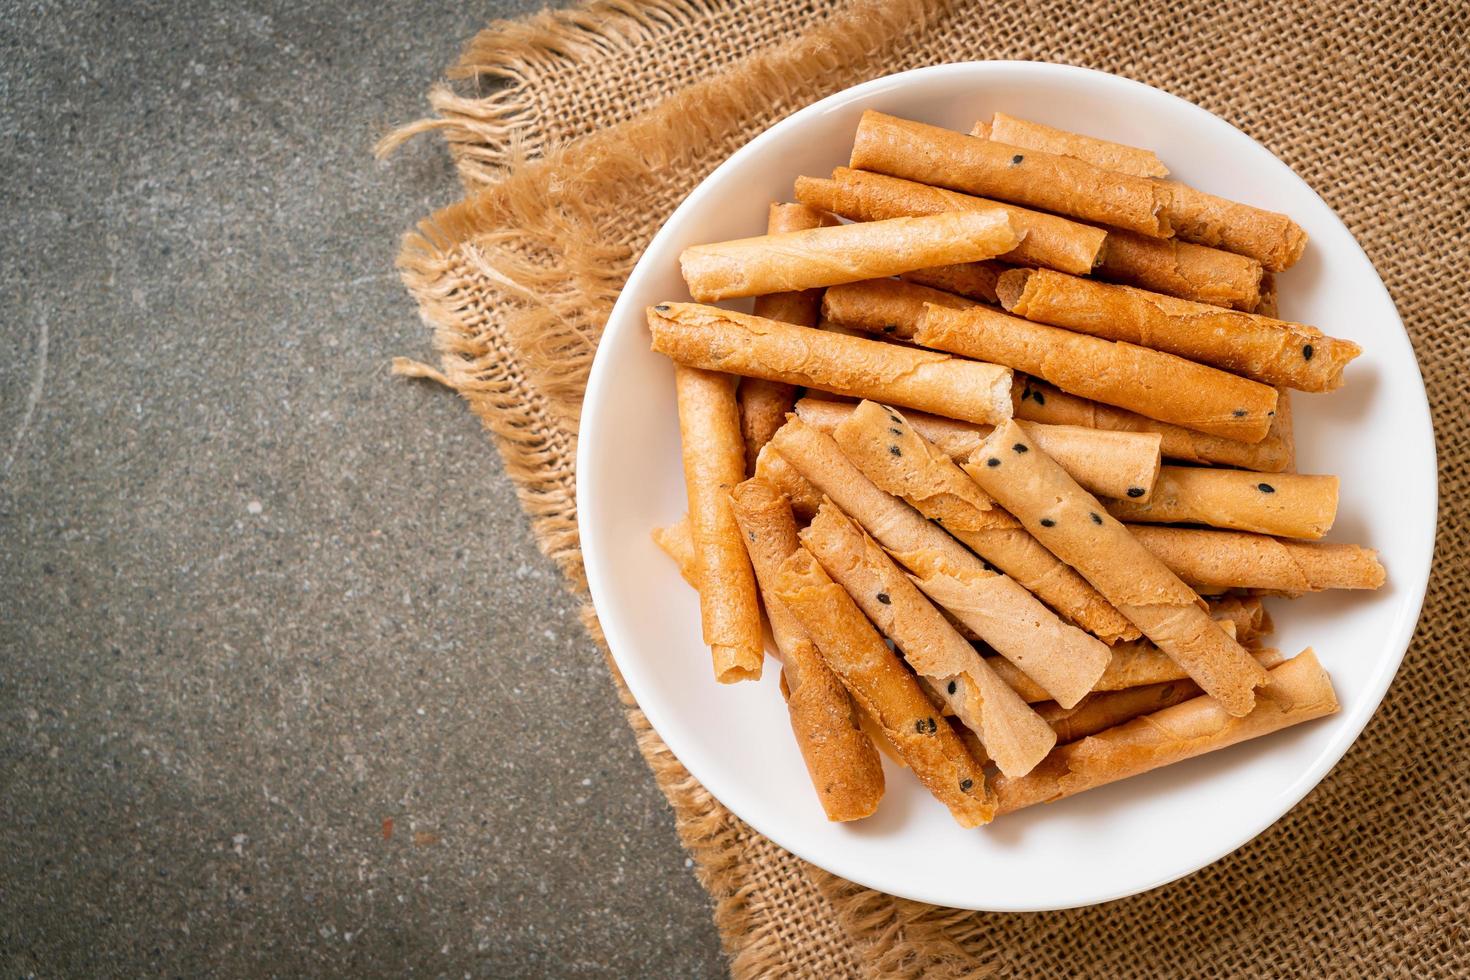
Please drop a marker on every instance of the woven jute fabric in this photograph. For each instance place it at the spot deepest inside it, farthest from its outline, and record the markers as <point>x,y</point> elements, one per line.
<point>578,132</point>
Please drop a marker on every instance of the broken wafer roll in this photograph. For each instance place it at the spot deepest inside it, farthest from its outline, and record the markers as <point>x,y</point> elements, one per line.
<point>1271,351</point>
<point>1161,386</point>
<point>1299,691</point>
<point>1038,401</point>
<point>1034,179</point>
<point>1075,527</point>
<point>884,688</point>
<point>1213,561</point>
<point>1013,735</point>
<point>1117,157</point>
<point>764,404</point>
<point>1045,239</point>
<point>677,541</point>
<point>1288,505</point>
<point>840,758</point>
<point>773,469</point>
<point>843,253</point>
<point>1109,464</point>
<point>1134,663</point>
<point>972,280</point>
<point>1247,614</point>
<point>1183,269</point>
<point>901,462</point>
<point>1269,296</point>
<point>1060,657</point>
<point>1270,238</point>
<point>722,340</point>
<point>714,461</point>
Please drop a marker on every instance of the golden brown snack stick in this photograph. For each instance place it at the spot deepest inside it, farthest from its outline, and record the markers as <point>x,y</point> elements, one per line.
<point>1117,157</point>
<point>843,764</point>
<point>1045,239</point>
<point>722,340</point>
<point>1213,561</point>
<point>1272,239</point>
<point>1014,736</point>
<point>1134,663</point>
<point>1104,709</point>
<point>1299,691</point>
<point>885,307</point>
<point>803,497</point>
<point>944,158</point>
<point>884,688</point>
<point>764,404</point>
<point>1161,386</point>
<point>714,461</point>
<point>1109,464</point>
<point>1247,614</point>
<point>1167,265</point>
<point>972,280</point>
<point>1060,657</point>
<point>930,482</point>
<point>1074,526</point>
<point>843,253</point>
<point>1288,505</point>
<point>1271,351</point>
<point>1038,401</point>
<point>677,541</point>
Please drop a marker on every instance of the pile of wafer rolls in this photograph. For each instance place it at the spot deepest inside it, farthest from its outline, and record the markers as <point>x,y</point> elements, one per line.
<point>1002,455</point>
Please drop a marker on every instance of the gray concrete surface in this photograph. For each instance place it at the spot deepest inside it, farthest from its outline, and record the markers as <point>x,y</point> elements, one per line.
<point>257,600</point>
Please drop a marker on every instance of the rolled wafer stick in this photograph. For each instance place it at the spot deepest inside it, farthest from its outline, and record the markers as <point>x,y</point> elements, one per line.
<point>1014,736</point>
<point>902,462</point>
<point>1161,386</point>
<point>1289,505</point>
<point>1134,663</point>
<point>764,404</point>
<point>843,764</point>
<point>714,461</point>
<point>884,688</point>
<point>885,307</point>
<point>1060,657</point>
<point>1038,401</point>
<point>972,280</point>
<point>722,340</point>
<point>843,253</point>
<point>1299,691</point>
<point>1109,464</point>
<point>803,497</point>
<point>1074,526</point>
<point>1045,239</point>
<point>1270,351</point>
<point>1270,238</point>
<point>1104,709</point>
<point>1117,157</point>
<point>944,158</point>
<point>677,541</point>
<point>1183,269</point>
<point>1213,561</point>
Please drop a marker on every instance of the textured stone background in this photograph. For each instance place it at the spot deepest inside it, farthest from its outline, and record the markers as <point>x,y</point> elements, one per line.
<point>285,687</point>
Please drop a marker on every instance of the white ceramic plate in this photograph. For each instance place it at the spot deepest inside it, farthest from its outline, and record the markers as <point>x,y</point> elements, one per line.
<point>1375,433</point>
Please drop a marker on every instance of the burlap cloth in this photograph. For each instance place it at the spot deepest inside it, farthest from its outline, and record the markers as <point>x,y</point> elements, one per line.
<point>578,132</point>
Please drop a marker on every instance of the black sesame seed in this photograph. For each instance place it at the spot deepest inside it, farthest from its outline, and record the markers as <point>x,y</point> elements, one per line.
<point>751,535</point>
<point>890,327</point>
<point>1039,397</point>
<point>1307,351</point>
<point>884,598</point>
<point>662,307</point>
<point>1019,447</point>
<point>992,461</point>
<point>919,726</point>
<point>1096,519</point>
<point>1265,488</point>
<point>1135,491</point>
<point>895,450</point>
<point>1241,413</point>
<point>953,687</point>
<point>1016,159</point>
<point>894,419</point>
<point>932,727</point>
<point>1048,522</point>
<point>966,784</point>
<point>897,432</point>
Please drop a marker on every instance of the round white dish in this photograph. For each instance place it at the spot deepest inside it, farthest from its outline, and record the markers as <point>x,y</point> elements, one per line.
<point>1375,433</point>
